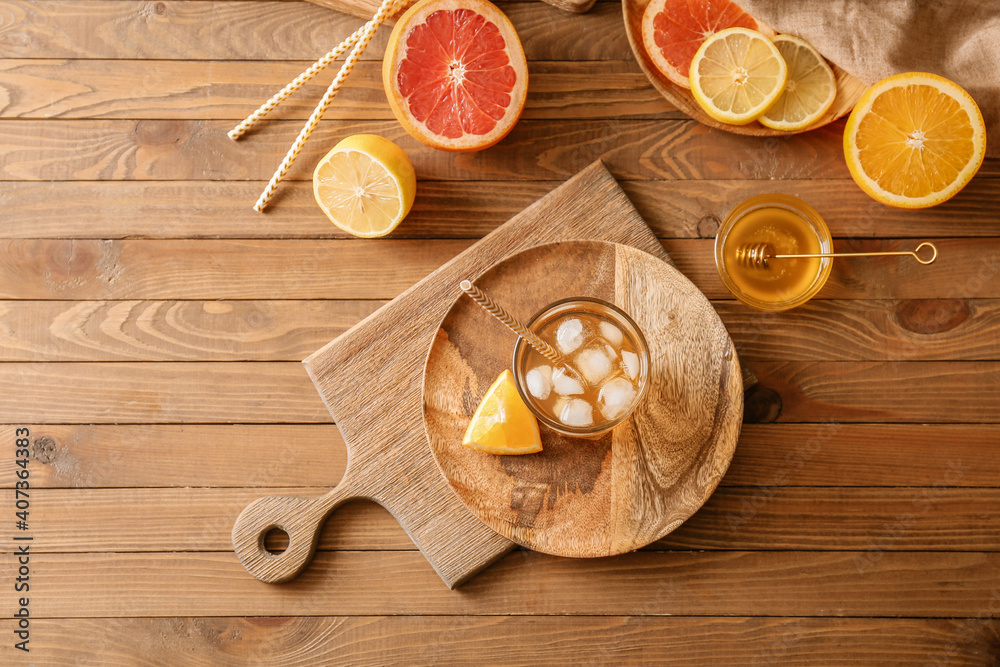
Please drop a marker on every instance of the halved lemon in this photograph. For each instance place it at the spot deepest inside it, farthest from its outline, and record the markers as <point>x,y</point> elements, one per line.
<point>366,185</point>
<point>809,91</point>
<point>914,140</point>
<point>503,424</point>
<point>736,75</point>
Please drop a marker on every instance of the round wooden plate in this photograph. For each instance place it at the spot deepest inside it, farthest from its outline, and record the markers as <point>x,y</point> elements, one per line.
<point>849,89</point>
<point>585,498</point>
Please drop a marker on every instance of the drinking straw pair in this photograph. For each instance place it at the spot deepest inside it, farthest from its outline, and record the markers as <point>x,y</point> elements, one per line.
<point>357,42</point>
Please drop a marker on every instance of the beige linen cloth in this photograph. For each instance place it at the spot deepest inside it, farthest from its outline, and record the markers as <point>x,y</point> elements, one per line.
<point>873,39</point>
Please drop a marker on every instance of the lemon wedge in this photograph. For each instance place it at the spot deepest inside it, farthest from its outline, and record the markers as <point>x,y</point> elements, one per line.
<point>503,424</point>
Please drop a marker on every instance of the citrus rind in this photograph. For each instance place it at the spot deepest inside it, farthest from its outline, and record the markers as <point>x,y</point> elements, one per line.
<point>976,139</point>
<point>809,70</point>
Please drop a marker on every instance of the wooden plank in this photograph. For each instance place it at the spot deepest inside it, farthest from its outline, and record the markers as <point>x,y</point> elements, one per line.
<point>920,391</point>
<point>90,269</point>
<point>855,330</point>
<point>965,269</point>
<point>275,455</point>
<point>768,455</point>
<point>195,519</point>
<point>756,583</point>
<point>95,269</point>
<point>280,330</point>
<point>535,149</point>
<point>242,30</point>
<point>185,519</point>
<point>262,392</point>
<point>450,209</point>
<point>173,330</point>
<point>219,90</point>
<point>834,454</point>
<point>105,456</point>
<point>932,518</point>
<point>543,641</point>
<point>169,392</point>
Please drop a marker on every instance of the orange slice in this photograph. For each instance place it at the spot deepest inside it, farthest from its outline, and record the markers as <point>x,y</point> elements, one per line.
<point>914,140</point>
<point>672,31</point>
<point>455,74</point>
<point>503,424</point>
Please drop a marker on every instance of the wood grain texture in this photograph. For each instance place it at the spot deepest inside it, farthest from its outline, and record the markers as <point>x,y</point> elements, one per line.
<point>289,330</point>
<point>467,209</point>
<point>222,90</point>
<point>353,583</point>
<point>745,518</point>
<point>261,392</point>
<point>587,498</point>
<point>88,269</point>
<point>381,358</point>
<point>264,30</point>
<point>285,455</point>
<point>772,455</point>
<point>367,8</point>
<point>203,455</point>
<point>849,89</point>
<point>360,641</point>
<point>169,392</point>
<point>173,330</point>
<point>933,391</point>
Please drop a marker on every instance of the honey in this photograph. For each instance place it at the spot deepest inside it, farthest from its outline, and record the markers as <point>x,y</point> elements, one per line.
<point>789,226</point>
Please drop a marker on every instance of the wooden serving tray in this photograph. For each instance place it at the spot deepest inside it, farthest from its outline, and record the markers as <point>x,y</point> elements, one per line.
<point>371,380</point>
<point>849,89</point>
<point>586,498</point>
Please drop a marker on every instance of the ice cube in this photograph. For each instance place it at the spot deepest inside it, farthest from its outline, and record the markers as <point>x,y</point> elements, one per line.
<point>630,360</point>
<point>611,352</point>
<point>569,335</point>
<point>593,364</point>
<point>565,384</point>
<point>616,395</point>
<point>539,381</point>
<point>577,412</point>
<point>611,333</point>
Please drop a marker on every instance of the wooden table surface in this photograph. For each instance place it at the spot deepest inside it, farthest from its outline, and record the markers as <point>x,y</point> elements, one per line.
<point>152,327</point>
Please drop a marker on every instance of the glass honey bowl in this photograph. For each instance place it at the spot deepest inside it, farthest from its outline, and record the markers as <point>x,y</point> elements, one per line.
<point>787,225</point>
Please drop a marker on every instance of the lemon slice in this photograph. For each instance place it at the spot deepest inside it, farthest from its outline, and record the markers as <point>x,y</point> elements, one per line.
<point>809,91</point>
<point>914,140</point>
<point>503,424</point>
<point>736,75</point>
<point>365,185</point>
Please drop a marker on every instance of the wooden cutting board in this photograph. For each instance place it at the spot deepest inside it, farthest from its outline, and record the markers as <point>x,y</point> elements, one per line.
<point>371,380</point>
<point>366,8</point>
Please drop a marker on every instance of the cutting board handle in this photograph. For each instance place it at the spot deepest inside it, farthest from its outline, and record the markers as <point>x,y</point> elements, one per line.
<point>300,518</point>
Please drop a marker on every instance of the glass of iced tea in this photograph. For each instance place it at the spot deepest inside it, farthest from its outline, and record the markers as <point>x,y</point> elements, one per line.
<point>787,225</point>
<point>606,371</point>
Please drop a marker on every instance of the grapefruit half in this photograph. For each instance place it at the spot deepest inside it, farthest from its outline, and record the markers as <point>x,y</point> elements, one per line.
<point>673,31</point>
<point>455,74</point>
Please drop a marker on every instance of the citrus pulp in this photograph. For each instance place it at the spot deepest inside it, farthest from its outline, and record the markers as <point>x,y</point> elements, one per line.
<point>455,74</point>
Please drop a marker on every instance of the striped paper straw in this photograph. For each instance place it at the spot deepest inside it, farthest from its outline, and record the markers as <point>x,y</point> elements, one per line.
<point>511,322</point>
<point>298,82</point>
<point>384,10</point>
